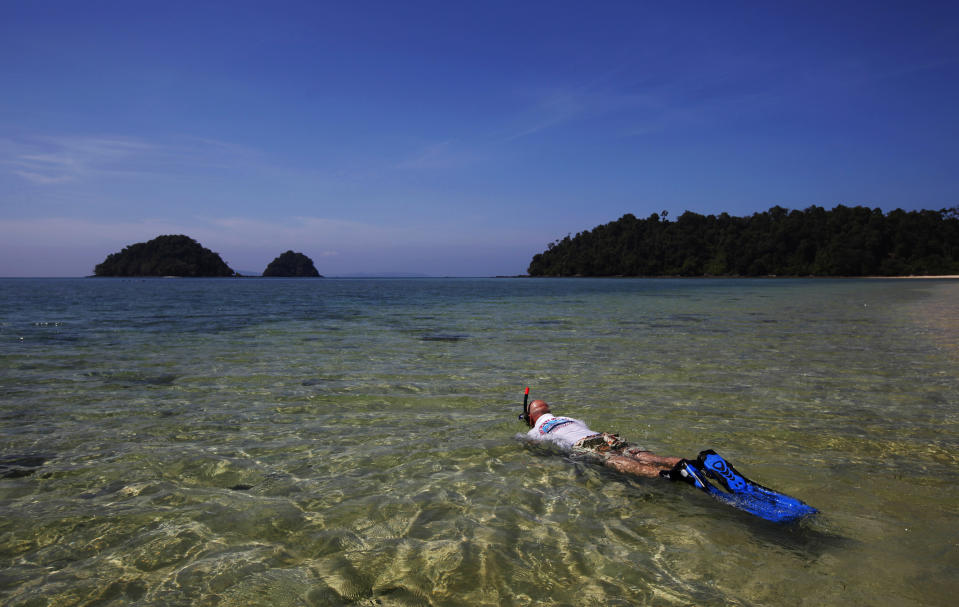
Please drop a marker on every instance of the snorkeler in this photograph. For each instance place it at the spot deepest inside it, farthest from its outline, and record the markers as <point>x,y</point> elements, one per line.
<point>575,437</point>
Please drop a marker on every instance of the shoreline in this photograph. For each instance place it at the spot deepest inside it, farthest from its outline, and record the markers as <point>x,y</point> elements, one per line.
<point>769,277</point>
<point>919,277</point>
<point>515,276</point>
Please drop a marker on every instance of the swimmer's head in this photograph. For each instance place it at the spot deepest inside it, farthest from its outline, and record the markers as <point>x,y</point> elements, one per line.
<point>536,409</point>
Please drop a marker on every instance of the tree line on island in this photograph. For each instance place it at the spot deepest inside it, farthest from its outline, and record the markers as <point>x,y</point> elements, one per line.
<point>179,255</point>
<point>846,241</point>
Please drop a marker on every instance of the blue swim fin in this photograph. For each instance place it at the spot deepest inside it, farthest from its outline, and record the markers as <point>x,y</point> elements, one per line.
<point>778,506</point>
<point>742,493</point>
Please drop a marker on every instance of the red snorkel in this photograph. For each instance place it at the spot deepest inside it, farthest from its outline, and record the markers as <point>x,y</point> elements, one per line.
<point>524,416</point>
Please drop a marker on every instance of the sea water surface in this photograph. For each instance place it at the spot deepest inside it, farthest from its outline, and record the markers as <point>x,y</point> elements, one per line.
<point>334,442</point>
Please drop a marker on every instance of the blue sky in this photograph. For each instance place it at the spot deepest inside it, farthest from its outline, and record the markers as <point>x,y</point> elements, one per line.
<point>450,138</point>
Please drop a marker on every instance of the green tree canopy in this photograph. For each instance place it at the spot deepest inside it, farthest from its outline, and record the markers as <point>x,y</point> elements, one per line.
<point>172,255</point>
<point>846,241</point>
<point>292,264</point>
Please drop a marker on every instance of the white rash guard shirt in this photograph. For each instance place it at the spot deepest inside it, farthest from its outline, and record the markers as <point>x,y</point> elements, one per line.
<point>562,431</point>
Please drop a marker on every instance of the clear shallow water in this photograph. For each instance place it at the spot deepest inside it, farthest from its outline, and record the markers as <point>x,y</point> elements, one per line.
<point>329,442</point>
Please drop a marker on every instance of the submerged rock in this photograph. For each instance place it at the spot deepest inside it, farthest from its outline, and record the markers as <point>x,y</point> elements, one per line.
<point>16,466</point>
<point>443,337</point>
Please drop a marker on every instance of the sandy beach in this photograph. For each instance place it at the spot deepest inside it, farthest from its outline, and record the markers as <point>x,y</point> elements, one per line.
<point>951,276</point>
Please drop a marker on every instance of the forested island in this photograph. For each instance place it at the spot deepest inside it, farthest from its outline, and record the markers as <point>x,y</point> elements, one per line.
<point>171,255</point>
<point>846,241</point>
<point>179,255</point>
<point>292,264</point>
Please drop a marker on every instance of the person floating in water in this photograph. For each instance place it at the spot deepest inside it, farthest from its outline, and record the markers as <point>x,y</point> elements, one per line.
<point>575,437</point>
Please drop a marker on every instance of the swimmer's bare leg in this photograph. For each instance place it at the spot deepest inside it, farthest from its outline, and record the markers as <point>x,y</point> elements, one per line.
<point>650,458</point>
<point>629,465</point>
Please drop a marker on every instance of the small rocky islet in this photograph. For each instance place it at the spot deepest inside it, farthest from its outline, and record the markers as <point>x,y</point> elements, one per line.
<point>181,256</point>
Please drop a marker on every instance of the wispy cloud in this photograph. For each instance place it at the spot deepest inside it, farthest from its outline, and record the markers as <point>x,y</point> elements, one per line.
<point>439,155</point>
<point>48,160</point>
<point>550,109</point>
<point>557,107</point>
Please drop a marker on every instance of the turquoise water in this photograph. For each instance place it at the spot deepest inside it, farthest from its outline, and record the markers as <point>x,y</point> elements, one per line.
<point>331,442</point>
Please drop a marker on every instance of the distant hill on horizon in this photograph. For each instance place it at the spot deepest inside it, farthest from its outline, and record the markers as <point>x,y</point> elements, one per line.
<point>292,265</point>
<point>253,274</point>
<point>846,241</point>
<point>167,255</point>
<point>383,275</point>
